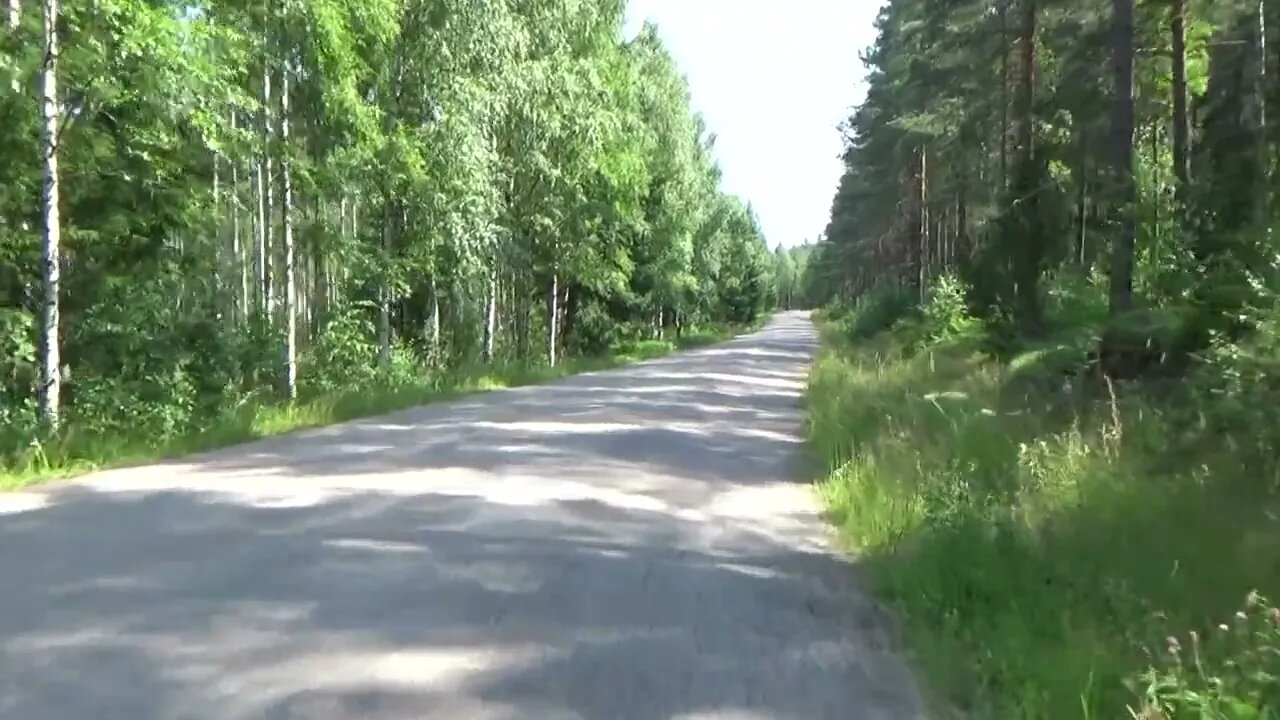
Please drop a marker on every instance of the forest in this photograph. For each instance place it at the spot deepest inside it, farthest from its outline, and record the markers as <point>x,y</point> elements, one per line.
<point>1049,393</point>
<point>222,219</point>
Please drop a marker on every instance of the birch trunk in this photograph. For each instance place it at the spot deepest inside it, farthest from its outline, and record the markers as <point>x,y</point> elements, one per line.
<point>237,250</point>
<point>490,316</point>
<point>260,239</point>
<point>343,273</point>
<point>221,293</point>
<point>265,182</point>
<point>286,242</point>
<point>15,19</point>
<point>434,326</point>
<point>384,291</point>
<point>51,252</point>
<point>330,283</point>
<point>553,318</point>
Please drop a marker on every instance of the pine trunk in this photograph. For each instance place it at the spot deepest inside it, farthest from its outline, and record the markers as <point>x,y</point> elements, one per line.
<point>1181,117</point>
<point>1004,96</point>
<point>916,243</point>
<point>51,250</point>
<point>1028,243</point>
<point>1271,66</point>
<point>1082,199</point>
<point>1027,48</point>
<point>1122,122</point>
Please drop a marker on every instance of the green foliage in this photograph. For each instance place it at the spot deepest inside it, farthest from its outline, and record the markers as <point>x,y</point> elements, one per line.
<point>167,427</point>
<point>945,317</point>
<point>343,351</point>
<point>447,161</point>
<point>875,312</point>
<point>1230,672</point>
<point>1066,444</point>
<point>596,332</point>
<point>1014,526</point>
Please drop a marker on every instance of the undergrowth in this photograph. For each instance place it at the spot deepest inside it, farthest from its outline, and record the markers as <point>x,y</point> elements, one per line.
<point>1048,536</point>
<point>161,429</point>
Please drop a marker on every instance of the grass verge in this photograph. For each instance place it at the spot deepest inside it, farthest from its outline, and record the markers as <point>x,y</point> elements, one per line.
<point>1055,550</point>
<point>76,452</point>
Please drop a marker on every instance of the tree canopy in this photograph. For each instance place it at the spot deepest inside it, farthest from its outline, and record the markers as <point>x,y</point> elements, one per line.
<point>203,202</point>
<point>1032,145</point>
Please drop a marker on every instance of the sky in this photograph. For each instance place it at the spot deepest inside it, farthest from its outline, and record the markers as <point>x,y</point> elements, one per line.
<point>773,81</point>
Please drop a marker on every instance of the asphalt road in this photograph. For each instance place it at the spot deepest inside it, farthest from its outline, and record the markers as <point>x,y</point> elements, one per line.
<point>625,545</point>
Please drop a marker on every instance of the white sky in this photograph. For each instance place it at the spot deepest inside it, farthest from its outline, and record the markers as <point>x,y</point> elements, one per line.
<point>773,80</point>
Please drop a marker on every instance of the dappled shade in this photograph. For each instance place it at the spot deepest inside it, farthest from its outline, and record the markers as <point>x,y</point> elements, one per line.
<point>623,544</point>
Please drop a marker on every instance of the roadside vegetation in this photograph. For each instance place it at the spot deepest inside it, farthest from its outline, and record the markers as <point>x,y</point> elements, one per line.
<point>1058,545</point>
<point>1049,392</point>
<point>82,448</point>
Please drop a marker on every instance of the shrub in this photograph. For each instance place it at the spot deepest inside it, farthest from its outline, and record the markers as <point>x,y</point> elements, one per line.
<point>875,312</point>
<point>593,332</point>
<point>944,318</point>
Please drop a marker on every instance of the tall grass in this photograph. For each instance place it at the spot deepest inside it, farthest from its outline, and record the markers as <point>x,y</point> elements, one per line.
<point>1043,536</point>
<point>75,450</point>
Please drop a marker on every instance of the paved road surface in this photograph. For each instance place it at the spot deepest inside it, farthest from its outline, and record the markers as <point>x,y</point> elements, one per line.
<point>624,545</point>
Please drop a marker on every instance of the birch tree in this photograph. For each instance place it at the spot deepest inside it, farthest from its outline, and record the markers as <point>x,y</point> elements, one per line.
<point>51,238</point>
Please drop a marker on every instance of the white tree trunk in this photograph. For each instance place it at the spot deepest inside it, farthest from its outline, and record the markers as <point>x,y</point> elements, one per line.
<point>51,252</point>
<point>553,318</point>
<point>286,242</point>
<point>384,291</point>
<point>260,238</point>
<point>265,182</point>
<point>221,268</point>
<point>491,316</point>
<point>237,250</point>
<point>434,328</point>
<point>330,289</point>
<point>343,272</point>
<point>15,18</point>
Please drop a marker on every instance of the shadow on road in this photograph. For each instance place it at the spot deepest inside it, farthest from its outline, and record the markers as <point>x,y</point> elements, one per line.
<point>610,546</point>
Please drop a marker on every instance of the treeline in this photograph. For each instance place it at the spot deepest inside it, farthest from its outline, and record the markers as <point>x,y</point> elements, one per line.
<point>790,270</point>
<point>205,202</point>
<point>1049,395</point>
<point>1027,144</point>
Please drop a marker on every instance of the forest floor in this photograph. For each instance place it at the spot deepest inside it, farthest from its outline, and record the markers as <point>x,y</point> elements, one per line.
<point>636,544</point>
<point>78,450</point>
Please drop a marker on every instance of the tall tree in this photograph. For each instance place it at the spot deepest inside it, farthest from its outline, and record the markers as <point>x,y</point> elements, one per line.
<point>1181,116</point>
<point>51,245</point>
<point>289,308</point>
<point>1122,148</point>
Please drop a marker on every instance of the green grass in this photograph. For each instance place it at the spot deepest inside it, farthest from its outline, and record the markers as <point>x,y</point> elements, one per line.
<point>1041,542</point>
<point>76,452</point>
